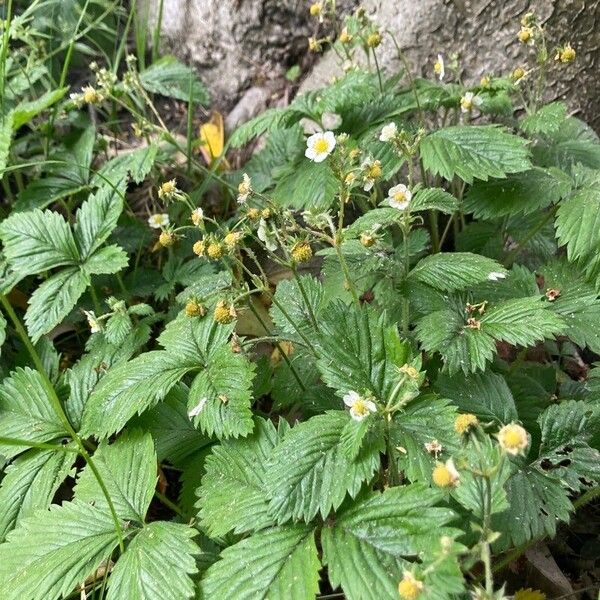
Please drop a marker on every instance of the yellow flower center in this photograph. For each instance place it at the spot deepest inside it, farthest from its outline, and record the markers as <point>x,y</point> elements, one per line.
<point>437,67</point>
<point>315,9</point>
<point>167,187</point>
<point>375,171</point>
<point>90,96</point>
<point>400,196</point>
<point>321,146</point>
<point>513,439</point>
<point>410,588</point>
<point>466,103</point>
<point>442,477</point>
<point>463,423</point>
<point>360,408</point>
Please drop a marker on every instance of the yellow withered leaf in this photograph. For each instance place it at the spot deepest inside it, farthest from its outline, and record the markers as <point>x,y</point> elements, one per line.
<point>212,139</point>
<point>529,594</point>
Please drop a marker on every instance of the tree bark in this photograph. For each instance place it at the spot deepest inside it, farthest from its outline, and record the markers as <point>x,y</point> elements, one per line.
<point>239,43</point>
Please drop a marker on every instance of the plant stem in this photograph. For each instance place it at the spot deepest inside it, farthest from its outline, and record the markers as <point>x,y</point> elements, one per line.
<point>59,410</point>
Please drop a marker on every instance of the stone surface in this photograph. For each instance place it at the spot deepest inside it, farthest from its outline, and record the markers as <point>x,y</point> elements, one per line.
<point>238,44</point>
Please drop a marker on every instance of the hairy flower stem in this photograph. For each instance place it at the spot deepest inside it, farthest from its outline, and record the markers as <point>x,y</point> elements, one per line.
<point>60,412</point>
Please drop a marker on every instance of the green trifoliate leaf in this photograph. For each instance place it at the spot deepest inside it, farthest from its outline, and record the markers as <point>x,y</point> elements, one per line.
<point>54,551</point>
<point>466,339</point>
<point>235,479</point>
<point>275,564</point>
<point>366,547</point>
<point>26,411</point>
<point>474,152</point>
<point>128,469</point>
<point>538,488</point>
<point>156,565</point>
<point>310,473</point>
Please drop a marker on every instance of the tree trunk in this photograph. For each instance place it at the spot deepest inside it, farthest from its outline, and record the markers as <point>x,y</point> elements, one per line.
<point>239,43</point>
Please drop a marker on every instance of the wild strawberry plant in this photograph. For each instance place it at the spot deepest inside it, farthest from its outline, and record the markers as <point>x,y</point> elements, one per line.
<point>347,368</point>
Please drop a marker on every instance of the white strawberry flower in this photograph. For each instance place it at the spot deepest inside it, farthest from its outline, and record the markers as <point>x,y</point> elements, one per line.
<point>194,412</point>
<point>359,407</point>
<point>439,68</point>
<point>94,324</point>
<point>470,101</point>
<point>399,196</point>
<point>388,132</point>
<point>266,236</point>
<point>244,189</point>
<point>197,216</point>
<point>319,146</point>
<point>158,220</point>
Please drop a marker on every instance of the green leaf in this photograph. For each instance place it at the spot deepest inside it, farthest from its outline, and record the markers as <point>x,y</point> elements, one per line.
<point>538,491</point>
<point>156,565</point>
<point>424,419</point>
<point>276,564</point>
<point>107,260</point>
<point>136,164</point>
<point>54,300</point>
<point>486,395</point>
<point>6,132</point>
<point>546,120</point>
<point>224,387</point>
<point>175,437</point>
<point>375,218</point>
<point>169,77</point>
<point>472,493</point>
<point>269,119</point>
<point>29,484</point>
<point>522,321</point>
<point>307,185</point>
<point>128,469</point>
<point>97,218</point>
<point>434,199</point>
<point>365,547</point>
<point>54,551</point>
<point>578,303</point>
<point>574,143</point>
<point>454,271</point>
<point>27,110</point>
<point>36,241</point>
<point>526,192</point>
<point>235,477</point>
<point>359,352</point>
<point>310,473</point>
<point>131,388</point>
<point>578,224</point>
<point>26,412</point>
<point>290,296</point>
<point>462,348</point>
<point>40,193</point>
<point>474,152</point>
